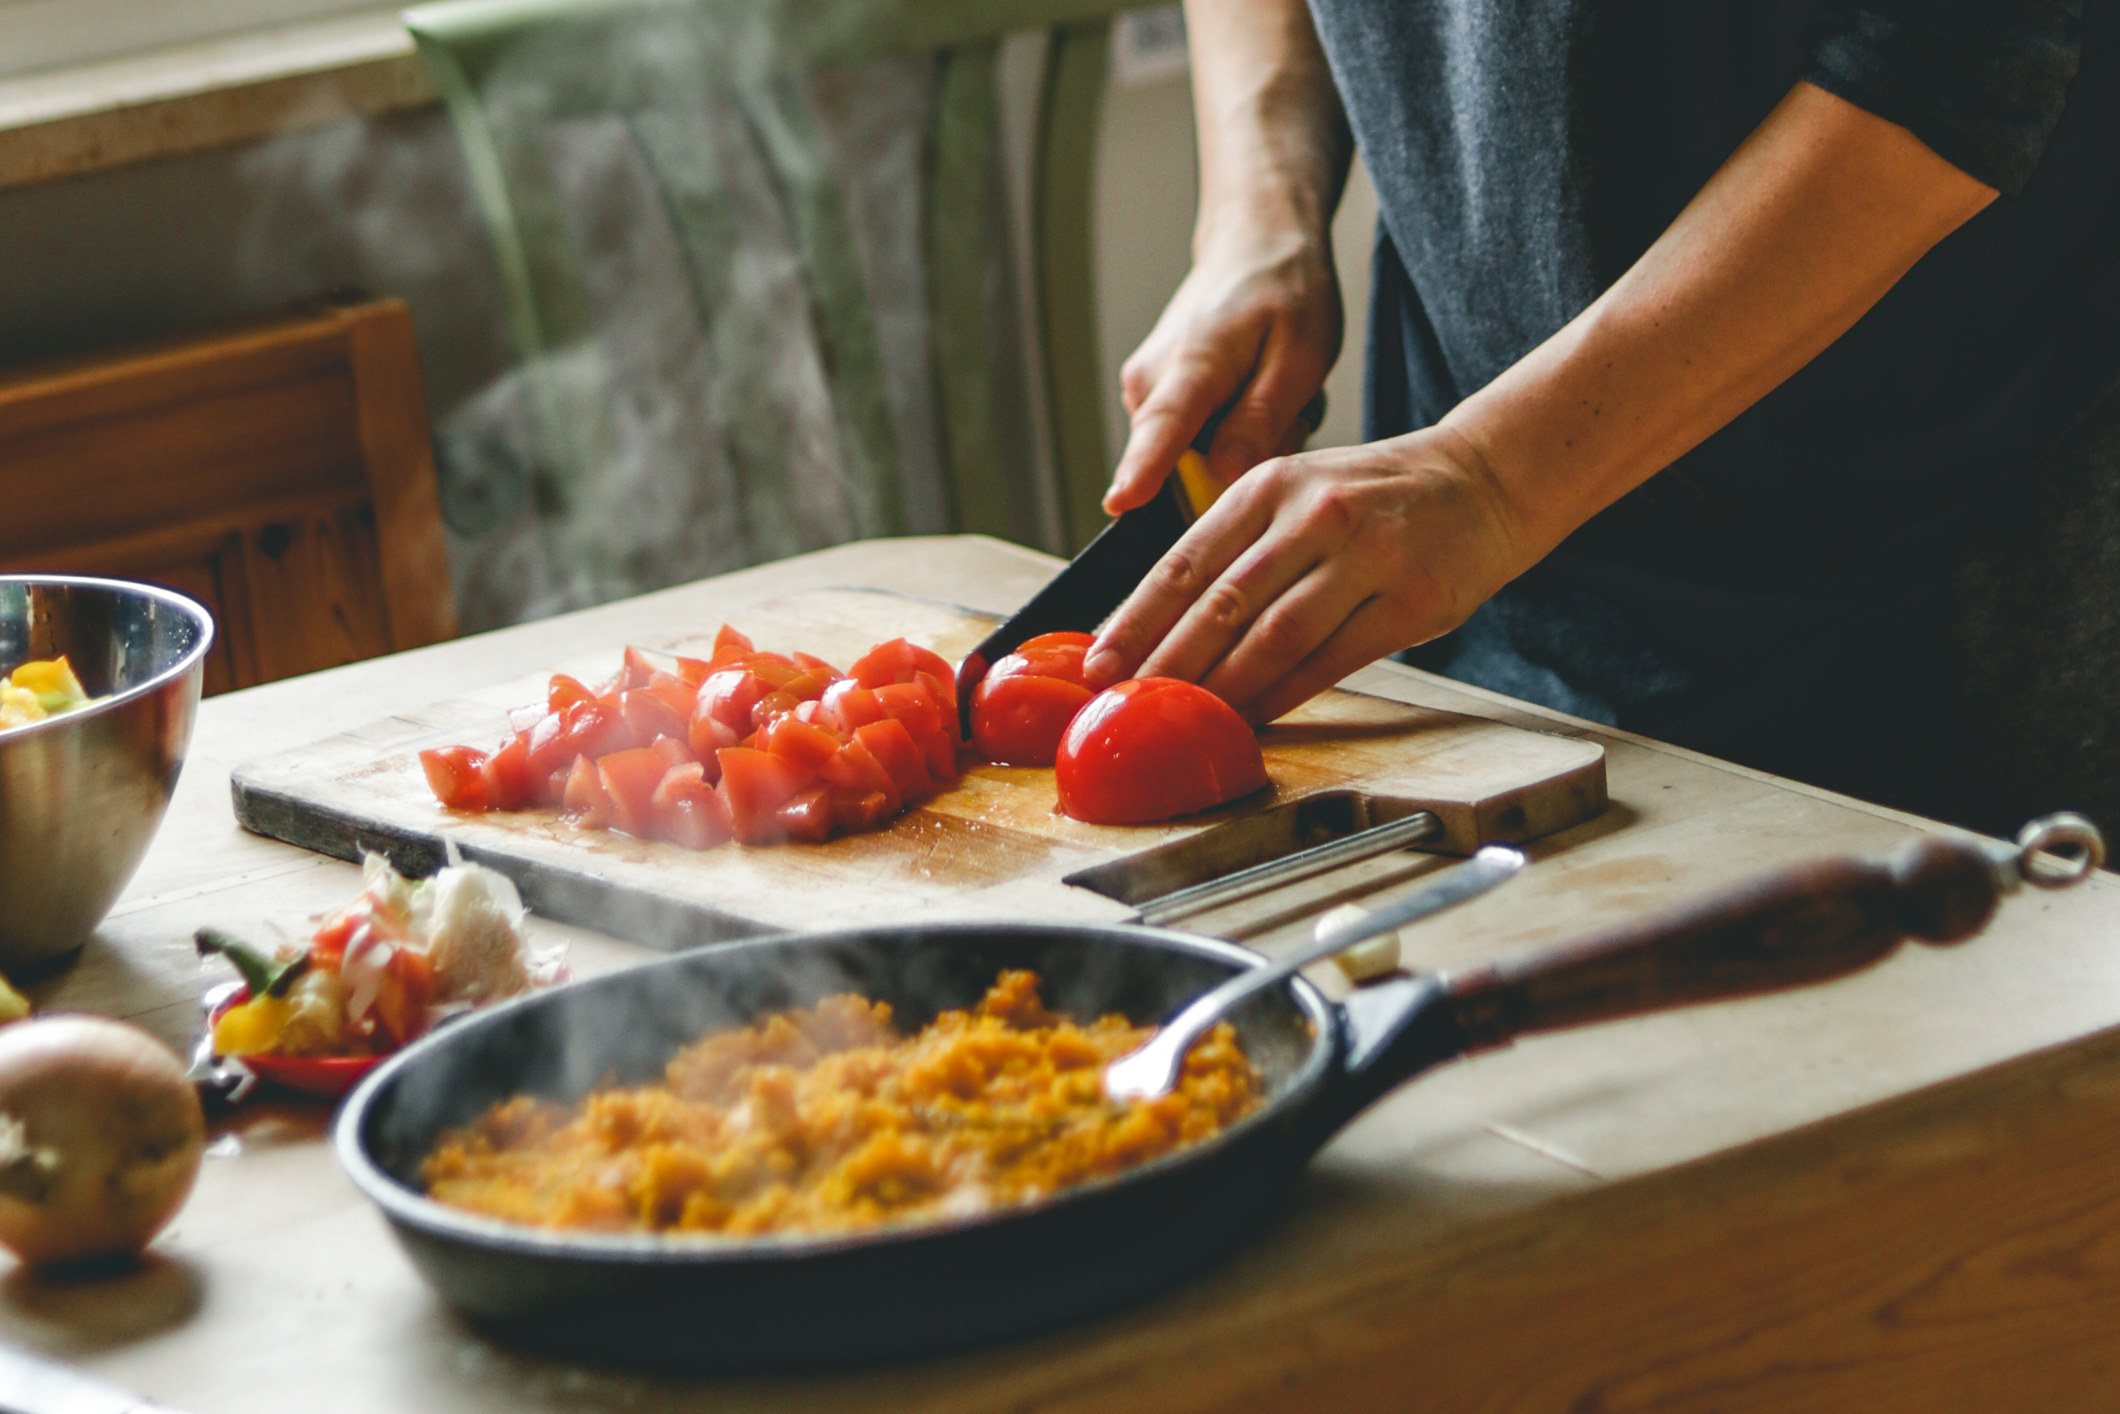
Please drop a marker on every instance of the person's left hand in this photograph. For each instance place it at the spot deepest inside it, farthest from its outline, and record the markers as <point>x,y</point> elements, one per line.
<point>1314,565</point>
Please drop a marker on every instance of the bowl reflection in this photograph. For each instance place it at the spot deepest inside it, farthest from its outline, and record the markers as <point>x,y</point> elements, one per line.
<point>82,792</point>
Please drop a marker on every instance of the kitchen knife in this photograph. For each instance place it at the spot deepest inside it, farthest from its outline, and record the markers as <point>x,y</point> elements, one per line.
<point>1098,580</point>
<point>32,1385</point>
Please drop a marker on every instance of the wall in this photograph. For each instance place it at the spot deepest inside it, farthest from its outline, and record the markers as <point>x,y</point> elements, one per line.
<point>383,207</point>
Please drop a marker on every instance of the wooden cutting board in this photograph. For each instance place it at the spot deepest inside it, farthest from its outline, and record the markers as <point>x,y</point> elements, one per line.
<point>993,846</point>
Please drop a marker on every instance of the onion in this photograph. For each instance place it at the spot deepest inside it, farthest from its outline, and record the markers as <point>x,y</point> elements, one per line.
<point>100,1136</point>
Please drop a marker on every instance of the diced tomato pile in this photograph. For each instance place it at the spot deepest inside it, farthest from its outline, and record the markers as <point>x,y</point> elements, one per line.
<point>759,747</point>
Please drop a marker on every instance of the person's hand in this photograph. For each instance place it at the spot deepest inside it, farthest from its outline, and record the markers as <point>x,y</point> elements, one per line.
<point>1314,565</point>
<point>1256,327</point>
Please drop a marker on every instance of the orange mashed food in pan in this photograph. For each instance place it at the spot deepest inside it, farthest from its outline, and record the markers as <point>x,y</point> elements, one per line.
<point>826,1120</point>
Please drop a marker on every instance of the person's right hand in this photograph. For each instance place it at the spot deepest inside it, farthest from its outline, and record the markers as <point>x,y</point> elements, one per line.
<point>1255,327</point>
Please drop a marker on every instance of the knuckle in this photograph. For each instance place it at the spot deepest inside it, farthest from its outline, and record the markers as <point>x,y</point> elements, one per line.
<point>1176,574</point>
<point>1280,636</point>
<point>1226,606</point>
<point>1334,508</point>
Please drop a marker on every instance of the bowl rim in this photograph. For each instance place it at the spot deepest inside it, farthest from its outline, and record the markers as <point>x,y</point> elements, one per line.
<point>189,662</point>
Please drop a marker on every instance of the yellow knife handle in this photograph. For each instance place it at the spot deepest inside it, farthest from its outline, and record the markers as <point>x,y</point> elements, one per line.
<point>1201,488</point>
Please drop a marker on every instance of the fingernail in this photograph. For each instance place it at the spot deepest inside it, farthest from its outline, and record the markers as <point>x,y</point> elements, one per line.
<point>1101,666</point>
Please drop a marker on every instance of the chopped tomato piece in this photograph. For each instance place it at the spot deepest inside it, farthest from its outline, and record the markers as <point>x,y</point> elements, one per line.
<point>674,692</point>
<point>816,664</point>
<point>891,744</point>
<point>674,750</point>
<point>915,705</point>
<point>897,661</point>
<point>506,776</point>
<point>945,694</point>
<point>630,779</point>
<point>708,734</point>
<point>694,670</point>
<point>453,773</point>
<point>565,692</point>
<point>807,818</point>
<point>777,669</point>
<point>754,785</point>
<point>727,641</point>
<point>856,811</point>
<point>648,718</point>
<point>1153,748</point>
<point>729,695</point>
<point>846,704</point>
<point>591,729</point>
<point>855,770</point>
<point>585,797</point>
<point>636,670</point>
<point>689,810</point>
<point>807,746</point>
<point>772,707</point>
<point>941,753</point>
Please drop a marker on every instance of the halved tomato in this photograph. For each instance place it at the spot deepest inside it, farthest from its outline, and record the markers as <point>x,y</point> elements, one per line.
<point>453,774</point>
<point>1153,748</point>
<point>1018,720</point>
<point>630,778</point>
<point>689,810</point>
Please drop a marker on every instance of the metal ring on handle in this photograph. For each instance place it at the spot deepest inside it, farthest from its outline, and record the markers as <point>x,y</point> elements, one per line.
<point>2040,845</point>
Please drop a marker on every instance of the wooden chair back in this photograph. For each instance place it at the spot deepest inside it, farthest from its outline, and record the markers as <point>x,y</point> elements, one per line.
<point>281,473</point>
<point>507,67</point>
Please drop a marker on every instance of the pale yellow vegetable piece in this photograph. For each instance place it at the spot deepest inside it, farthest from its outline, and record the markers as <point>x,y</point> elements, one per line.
<point>1373,957</point>
<point>19,706</point>
<point>50,677</point>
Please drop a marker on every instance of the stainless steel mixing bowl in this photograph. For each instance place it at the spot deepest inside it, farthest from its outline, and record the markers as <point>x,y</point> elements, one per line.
<point>82,792</point>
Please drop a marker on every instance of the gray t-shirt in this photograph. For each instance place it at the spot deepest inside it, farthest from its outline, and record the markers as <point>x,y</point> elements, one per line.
<point>1527,151</point>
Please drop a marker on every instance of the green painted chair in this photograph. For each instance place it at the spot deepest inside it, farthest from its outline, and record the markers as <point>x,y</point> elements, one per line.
<point>509,69</point>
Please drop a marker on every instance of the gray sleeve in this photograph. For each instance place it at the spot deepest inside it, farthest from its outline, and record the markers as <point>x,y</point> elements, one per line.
<point>1980,81</point>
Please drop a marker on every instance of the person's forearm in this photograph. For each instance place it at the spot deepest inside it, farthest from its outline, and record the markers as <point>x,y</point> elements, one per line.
<point>1806,226</point>
<point>1274,142</point>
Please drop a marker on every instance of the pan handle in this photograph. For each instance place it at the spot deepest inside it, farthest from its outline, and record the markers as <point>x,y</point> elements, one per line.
<point>1804,925</point>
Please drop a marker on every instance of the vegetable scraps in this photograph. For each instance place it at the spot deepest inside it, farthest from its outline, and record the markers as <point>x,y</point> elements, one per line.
<point>38,690</point>
<point>382,970</point>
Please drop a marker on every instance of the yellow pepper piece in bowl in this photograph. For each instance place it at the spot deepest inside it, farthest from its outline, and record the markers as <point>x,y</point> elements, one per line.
<point>251,1027</point>
<point>53,682</point>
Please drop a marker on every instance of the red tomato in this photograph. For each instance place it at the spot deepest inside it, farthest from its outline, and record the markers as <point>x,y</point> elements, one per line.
<point>914,704</point>
<point>674,751</point>
<point>898,661</point>
<point>689,810</point>
<point>674,692</point>
<point>506,776</point>
<point>754,785</point>
<point>855,772</point>
<point>892,745</point>
<point>728,696</point>
<point>565,692</point>
<point>941,752</point>
<point>807,746</point>
<point>856,811</point>
<point>693,670</point>
<point>709,735</point>
<point>630,779</point>
<point>649,718</point>
<point>728,642</point>
<point>1054,655</point>
<point>585,797</point>
<point>591,729</point>
<point>453,773</point>
<point>1018,720</point>
<point>1154,748</point>
<point>807,818</point>
<point>637,670</point>
<point>817,665</point>
<point>846,704</point>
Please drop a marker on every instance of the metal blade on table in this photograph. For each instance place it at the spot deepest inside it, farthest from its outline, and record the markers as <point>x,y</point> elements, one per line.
<point>30,1384</point>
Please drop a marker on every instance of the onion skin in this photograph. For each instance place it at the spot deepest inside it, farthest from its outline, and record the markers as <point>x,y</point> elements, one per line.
<point>100,1138</point>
